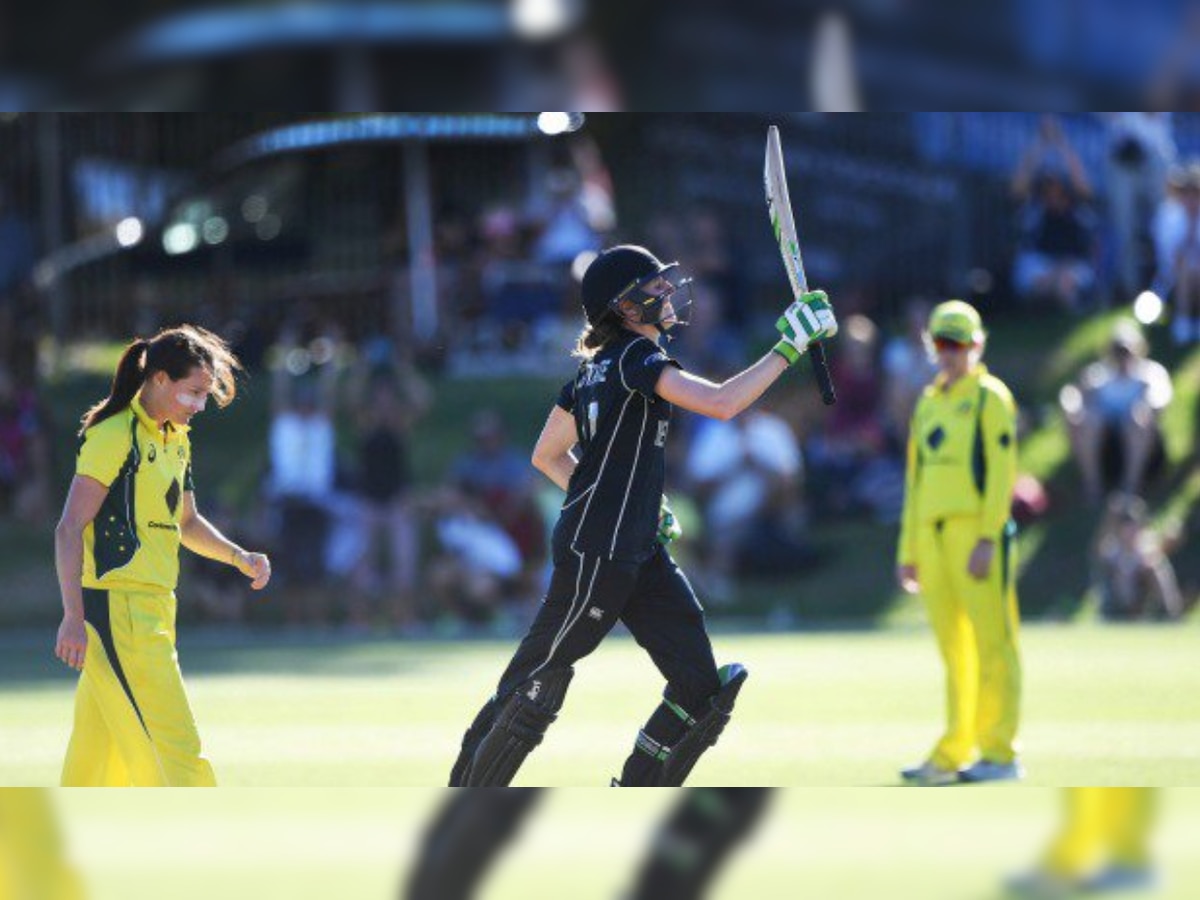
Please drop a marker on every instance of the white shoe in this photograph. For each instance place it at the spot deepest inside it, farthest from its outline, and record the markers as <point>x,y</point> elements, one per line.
<point>991,771</point>
<point>1121,879</point>
<point>928,774</point>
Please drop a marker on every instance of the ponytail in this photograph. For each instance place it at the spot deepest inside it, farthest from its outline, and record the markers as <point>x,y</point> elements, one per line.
<point>131,373</point>
<point>596,334</point>
<point>176,351</point>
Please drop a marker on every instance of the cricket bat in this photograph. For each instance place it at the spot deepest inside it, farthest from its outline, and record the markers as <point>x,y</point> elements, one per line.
<point>783,223</point>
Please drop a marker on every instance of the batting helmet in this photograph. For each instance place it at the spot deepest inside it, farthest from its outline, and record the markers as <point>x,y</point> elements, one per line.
<point>615,273</point>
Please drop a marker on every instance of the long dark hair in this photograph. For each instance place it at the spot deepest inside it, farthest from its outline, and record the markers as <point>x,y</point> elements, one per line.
<point>596,334</point>
<point>175,351</point>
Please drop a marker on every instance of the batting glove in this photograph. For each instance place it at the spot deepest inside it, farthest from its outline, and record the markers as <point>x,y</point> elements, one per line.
<point>668,527</point>
<point>808,319</point>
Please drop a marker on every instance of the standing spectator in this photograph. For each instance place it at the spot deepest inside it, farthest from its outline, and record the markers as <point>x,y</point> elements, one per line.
<point>1141,148</point>
<point>1131,570</point>
<point>1056,253</point>
<point>303,468</point>
<point>1056,256</point>
<point>1177,247</point>
<point>1113,416</point>
<point>389,405</point>
<point>907,368</point>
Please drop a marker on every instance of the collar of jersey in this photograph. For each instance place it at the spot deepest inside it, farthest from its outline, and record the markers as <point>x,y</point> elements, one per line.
<point>973,375</point>
<point>168,429</point>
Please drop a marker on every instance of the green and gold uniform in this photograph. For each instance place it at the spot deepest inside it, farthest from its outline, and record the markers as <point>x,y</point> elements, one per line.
<point>133,723</point>
<point>1103,826</point>
<point>962,452</point>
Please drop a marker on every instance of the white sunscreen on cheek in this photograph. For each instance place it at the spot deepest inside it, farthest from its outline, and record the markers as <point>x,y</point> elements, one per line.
<point>188,402</point>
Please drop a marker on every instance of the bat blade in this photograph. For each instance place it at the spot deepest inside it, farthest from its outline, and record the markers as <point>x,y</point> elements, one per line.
<point>783,224</point>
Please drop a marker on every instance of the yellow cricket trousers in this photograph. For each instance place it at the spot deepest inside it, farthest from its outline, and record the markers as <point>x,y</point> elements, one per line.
<point>976,625</point>
<point>133,724</point>
<point>1103,826</point>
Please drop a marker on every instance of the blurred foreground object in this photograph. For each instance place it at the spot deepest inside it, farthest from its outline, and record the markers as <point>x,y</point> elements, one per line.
<point>33,862</point>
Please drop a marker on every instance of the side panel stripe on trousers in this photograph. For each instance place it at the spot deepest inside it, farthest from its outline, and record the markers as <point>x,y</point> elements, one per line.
<point>572,615</point>
<point>96,614</point>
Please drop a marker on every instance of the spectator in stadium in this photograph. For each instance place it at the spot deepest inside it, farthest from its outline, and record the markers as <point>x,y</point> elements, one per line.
<point>387,406</point>
<point>24,452</point>
<point>747,474</point>
<point>852,439</point>
<point>497,477</point>
<point>906,370</point>
<point>476,566</point>
<point>303,470</point>
<point>1056,254</point>
<point>1131,568</point>
<point>1113,414</point>
<point>1141,149</point>
<point>1177,247</point>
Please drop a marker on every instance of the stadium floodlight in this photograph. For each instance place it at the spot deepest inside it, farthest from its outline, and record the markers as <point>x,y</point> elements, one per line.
<point>554,123</point>
<point>129,231</point>
<point>1148,307</point>
<point>541,19</point>
<point>180,238</point>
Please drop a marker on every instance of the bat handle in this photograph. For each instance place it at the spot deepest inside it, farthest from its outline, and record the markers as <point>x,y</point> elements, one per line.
<point>816,355</point>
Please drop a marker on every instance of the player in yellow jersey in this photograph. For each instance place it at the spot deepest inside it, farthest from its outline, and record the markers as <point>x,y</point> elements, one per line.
<point>130,506</point>
<point>956,549</point>
<point>1102,846</point>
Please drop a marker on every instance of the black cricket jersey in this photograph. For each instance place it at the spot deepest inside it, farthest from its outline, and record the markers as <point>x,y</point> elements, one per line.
<point>613,498</point>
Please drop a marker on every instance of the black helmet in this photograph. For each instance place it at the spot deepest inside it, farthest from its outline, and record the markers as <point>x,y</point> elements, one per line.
<point>614,273</point>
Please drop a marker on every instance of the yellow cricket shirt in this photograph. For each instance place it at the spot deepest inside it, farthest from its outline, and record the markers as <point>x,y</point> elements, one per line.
<point>133,543</point>
<point>962,458</point>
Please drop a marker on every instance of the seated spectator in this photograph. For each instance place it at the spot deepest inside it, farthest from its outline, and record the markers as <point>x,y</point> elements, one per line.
<point>502,481</point>
<point>301,483</point>
<point>1131,571</point>
<point>1177,247</point>
<point>24,452</point>
<point>1113,416</point>
<point>746,473</point>
<point>388,406</point>
<point>477,567</point>
<point>1141,149</point>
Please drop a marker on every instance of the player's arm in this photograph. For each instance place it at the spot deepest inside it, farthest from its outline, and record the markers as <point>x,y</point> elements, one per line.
<point>204,539</point>
<point>906,552</point>
<point>84,500</point>
<point>1000,462</point>
<point>806,320</point>
<point>552,452</point>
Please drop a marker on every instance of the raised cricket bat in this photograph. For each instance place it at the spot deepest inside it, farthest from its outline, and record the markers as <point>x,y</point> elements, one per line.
<point>783,223</point>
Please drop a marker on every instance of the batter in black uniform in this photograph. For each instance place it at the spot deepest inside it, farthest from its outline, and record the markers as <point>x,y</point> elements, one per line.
<point>610,556</point>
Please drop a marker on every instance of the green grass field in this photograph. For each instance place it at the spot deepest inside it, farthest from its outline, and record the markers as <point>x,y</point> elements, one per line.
<point>1104,705</point>
<point>584,844</point>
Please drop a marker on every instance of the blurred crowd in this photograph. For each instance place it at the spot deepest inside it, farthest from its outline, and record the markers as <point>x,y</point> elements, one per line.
<point>362,542</point>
